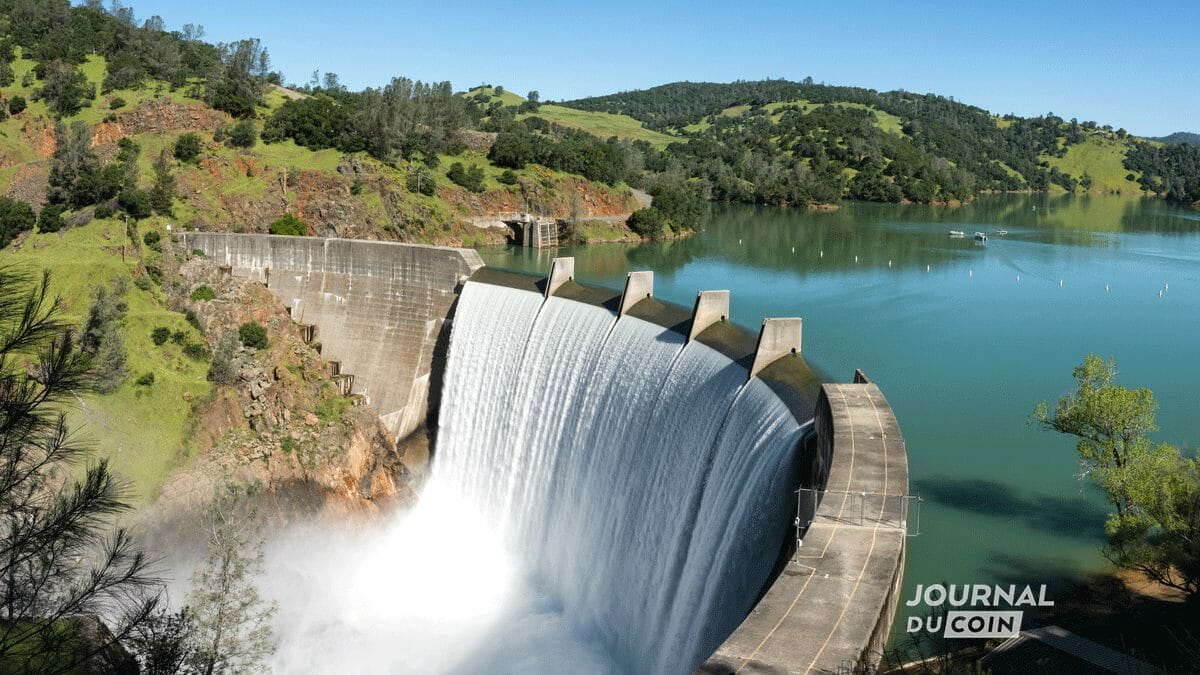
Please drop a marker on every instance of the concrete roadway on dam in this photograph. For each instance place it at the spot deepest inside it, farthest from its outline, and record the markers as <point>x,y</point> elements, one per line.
<point>842,583</point>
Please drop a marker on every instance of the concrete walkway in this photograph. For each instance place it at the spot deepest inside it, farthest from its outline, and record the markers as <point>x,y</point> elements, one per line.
<point>831,608</point>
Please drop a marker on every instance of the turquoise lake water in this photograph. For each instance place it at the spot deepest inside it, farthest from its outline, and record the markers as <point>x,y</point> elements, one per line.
<point>964,340</point>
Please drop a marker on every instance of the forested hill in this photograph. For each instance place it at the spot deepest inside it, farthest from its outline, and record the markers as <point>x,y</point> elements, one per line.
<point>1179,138</point>
<point>776,140</point>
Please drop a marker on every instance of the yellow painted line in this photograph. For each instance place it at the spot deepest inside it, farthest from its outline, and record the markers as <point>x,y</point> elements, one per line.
<point>779,623</point>
<point>850,599</point>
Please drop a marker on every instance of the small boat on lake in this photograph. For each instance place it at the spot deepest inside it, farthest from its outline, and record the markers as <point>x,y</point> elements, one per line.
<point>980,236</point>
<point>957,233</point>
<point>1001,232</point>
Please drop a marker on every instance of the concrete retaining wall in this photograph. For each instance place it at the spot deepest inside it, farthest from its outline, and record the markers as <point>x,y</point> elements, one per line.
<point>379,308</point>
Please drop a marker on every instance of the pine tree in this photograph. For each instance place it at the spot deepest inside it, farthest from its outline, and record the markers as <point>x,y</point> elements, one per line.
<point>232,621</point>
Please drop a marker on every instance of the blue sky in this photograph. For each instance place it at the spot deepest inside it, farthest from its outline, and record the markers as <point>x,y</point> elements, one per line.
<point>1123,64</point>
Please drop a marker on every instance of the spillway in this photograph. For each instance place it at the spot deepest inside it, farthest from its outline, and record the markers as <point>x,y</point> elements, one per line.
<point>644,482</point>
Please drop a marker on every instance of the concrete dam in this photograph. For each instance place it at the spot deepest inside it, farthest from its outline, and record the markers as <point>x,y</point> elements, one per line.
<point>686,496</point>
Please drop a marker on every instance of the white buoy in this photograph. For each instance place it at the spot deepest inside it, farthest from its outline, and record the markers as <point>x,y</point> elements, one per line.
<point>1060,283</point>
<point>927,268</point>
<point>739,242</point>
<point>793,249</point>
<point>822,253</point>
<point>855,258</point>
<point>1105,288</point>
<point>889,263</point>
<point>1160,295</point>
<point>1018,278</point>
<point>971,273</point>
<point>1166,287</point>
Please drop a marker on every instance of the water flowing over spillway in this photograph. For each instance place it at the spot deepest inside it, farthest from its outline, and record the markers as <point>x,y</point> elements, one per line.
<point>641,483</point>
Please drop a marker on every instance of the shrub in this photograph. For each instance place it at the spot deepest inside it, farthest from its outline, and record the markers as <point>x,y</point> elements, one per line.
<point>507,177</point>
<point>198,252</point>
<point>152,239</point>
<point>16,105</point>
<point>143,283</point>
<point>50,219</point>
<point>179,337</point>
<point>195,350</point>
<point>136,203</point>
<point>204,294</point>
<point>104,210</point>
<point>116,104</point>
<point>155,273</point>
<point>146,380</point>
<point>421,181</point>
<point>222,370</point>
<point>160,335</point>
<point>471,179</point>
<point>289,225</point>
<point>187,148</point>
<point>15,217</point>
<point>253,335</point>
<point>193,320</point>
<point>288,444</point>
<point>648,222</point>
<point>243,134</point>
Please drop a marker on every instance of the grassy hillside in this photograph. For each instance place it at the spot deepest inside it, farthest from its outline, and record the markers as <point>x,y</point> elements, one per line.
<point>603,125</point>
<point>1100,157</point>
<point>884,121</point>
<point>141,429</point>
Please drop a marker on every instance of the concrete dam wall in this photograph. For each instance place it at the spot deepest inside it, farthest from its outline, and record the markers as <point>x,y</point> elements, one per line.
<point>378,308</point>
<point>643,458</point>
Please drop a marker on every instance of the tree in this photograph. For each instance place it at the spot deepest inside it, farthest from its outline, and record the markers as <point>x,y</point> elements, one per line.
<point>136,203</point>
<point>471,179</point>
<point>163,192</point>
<point>232,621</point>
<point>101,336</point>
<point>223,370</point>
<point>533,96</point>
<point>163,643</point>
<point>234,88</point>
<point>243,134</point>
<point>74,168</point>
<point>187,147</point>
<point>1154,490</point>
<point>60,556</point>
<point>649,222</point>
<point>50,219</point>
<point>16,105</point>
<point>65,89</point>
<point>15,217</point>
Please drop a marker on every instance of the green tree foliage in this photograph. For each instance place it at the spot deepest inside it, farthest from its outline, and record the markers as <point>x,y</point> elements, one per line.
<point>234,87</point>
<point>1153,489</point>
<point>16,105</point>
<point>65,89</point>
<point>420,181</point>
<point>471,179</point>
<point>102,336</point>
<point>232,631</point>
<point>15,217</point>
<point>62,556</point>
<point>160,335</point>
<point>406,117</point>
<point>536,141</point>
<point>289,225</point>
<point>74,168</point>
<point>507,177</point>
<point>223,370</point>
<point>163,643</point>
<point>253,335</point>
<point>136,203</point>
<point>187,148</point>
<point>163,193</point>
<point>203,293</point>
<point>50,219</point>
<point>315,123</point>
<point>243,134</point>
<point>1172,171</point>
<point>649,222</point>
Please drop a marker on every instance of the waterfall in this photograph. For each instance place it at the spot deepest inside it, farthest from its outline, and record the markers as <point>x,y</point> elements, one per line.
<point>641,484</point>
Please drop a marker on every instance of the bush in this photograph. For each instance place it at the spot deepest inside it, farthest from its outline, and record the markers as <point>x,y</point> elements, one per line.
<point>204,294</point>
<point>193,320</point>
<point>507,177</point>
<point>648,222</point>
<point>116,104</point>
<point>179,337</point>
<point>471,179</point>
<point>50,219</point>
<point>15,217</point>
<point>243,134</point>
<point>16,105</point>
<point>160,335</point>
<point>146,380</point>
<point>152,239</point>
<point>253,335</point>
<point>104,211</point>
<point>420,181</point>
<point>289,225</point>
<point>136,203</point>
<point>222,370</point>
<point>288,445</point>
<point>195,350</point>
<point>187,148</point>
<point>198,253</point>
<point>155,273</point>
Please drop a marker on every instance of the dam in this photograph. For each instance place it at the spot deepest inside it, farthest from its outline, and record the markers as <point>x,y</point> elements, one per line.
<point>689,496</point>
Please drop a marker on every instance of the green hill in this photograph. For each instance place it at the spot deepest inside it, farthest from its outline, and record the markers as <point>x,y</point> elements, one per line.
<point>1179,138</point>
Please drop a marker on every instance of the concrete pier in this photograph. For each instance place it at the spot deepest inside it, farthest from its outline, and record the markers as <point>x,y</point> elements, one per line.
<point>831,608</point>
<point>777,339</point>
<point>638,287</point>
<point>562,270</point>
<point>711,307</point>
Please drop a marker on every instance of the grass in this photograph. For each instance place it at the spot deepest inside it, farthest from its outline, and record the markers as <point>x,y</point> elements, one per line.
<point>1102,158</point>
<point>141,430</point>
<point>288,154</point>
<point>883,120</point>
<point>507,98</point>
<point>603,125</point>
